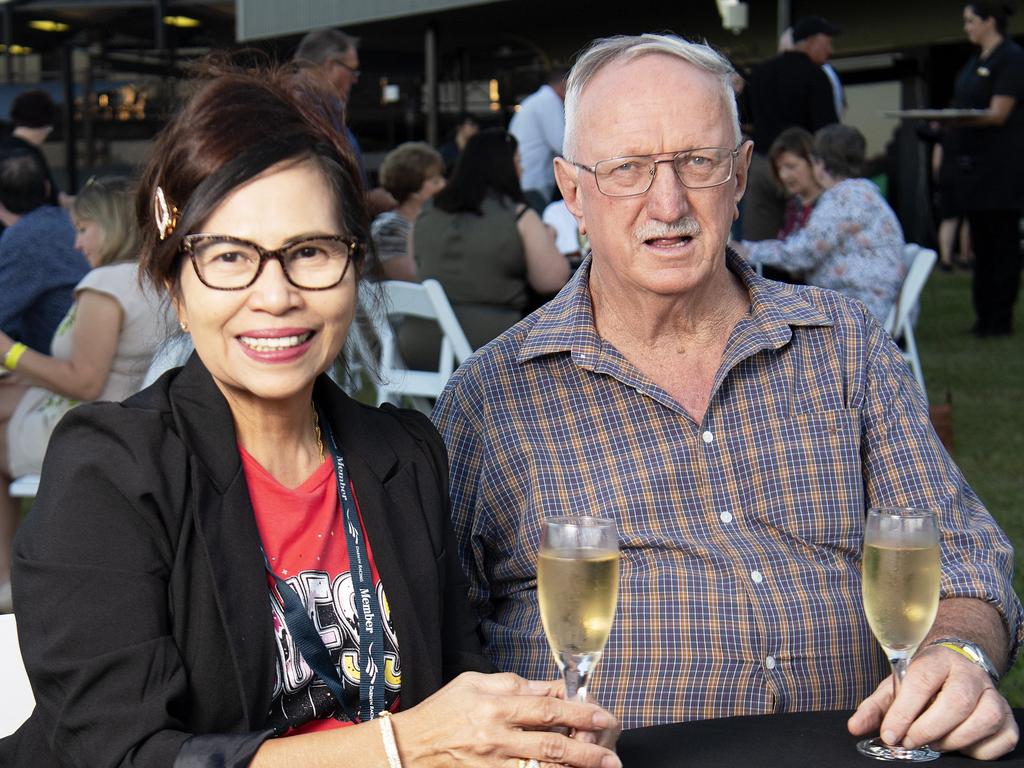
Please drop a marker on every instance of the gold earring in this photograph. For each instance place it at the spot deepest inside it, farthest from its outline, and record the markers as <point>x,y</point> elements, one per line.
<point>184,326</point>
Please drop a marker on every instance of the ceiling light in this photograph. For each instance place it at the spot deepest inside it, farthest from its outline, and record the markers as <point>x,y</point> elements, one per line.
<point>15,49</point>
<point>46,25</point>
<point>184,22</point>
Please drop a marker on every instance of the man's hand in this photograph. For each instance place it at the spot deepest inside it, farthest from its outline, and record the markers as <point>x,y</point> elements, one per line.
<point>945,702</point>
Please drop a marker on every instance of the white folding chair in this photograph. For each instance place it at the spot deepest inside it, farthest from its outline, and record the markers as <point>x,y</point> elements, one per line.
<point>24,487</point>
<point>424,300</point>
<point>18,700</point>
<point>900,322</point>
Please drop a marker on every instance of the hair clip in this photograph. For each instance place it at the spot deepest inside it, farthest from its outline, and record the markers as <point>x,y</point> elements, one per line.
<point>166,215</point>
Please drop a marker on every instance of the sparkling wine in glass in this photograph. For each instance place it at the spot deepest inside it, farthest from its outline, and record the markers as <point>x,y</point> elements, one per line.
<point>578,589</point>
<point>901,596</point>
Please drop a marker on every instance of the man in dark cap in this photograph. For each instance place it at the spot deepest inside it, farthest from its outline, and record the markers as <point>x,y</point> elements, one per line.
<point>789,89</point>
<point>33,114</point>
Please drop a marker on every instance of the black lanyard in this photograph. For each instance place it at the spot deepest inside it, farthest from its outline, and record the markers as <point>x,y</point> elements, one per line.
<point>369,619</point>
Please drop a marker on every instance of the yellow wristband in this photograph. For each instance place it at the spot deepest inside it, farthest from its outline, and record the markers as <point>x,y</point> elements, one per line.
<point>958,649</point>
<point>14,355</point>
<point>970,651</point>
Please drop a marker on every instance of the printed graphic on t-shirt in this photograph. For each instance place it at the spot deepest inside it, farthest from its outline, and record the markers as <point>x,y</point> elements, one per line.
<point>300,696</point>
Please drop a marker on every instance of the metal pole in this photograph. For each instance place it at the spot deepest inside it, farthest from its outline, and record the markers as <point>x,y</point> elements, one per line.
<point>430,70</point>
<point>783,18</point>
<point>463,78</point>
<point>159,28</point>
<point>8,41</point>
<point>70,144</point>
<point>89,113</point>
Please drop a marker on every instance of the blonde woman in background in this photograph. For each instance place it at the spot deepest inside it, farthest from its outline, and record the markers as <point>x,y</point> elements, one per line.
<point>100,350</point>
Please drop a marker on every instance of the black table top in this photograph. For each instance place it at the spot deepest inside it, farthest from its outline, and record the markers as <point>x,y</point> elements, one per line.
<point>793,740</point>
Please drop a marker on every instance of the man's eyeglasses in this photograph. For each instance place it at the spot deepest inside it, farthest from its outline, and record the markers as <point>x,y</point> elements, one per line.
<point>231,264</point>
<point>355,72</point>
<point>633,175</point>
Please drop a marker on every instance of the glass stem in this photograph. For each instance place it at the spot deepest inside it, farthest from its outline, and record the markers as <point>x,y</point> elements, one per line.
<point>576,671</point>
<point>899,663</point>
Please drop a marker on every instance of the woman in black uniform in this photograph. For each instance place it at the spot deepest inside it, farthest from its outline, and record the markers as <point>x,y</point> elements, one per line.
<point>990,172</point>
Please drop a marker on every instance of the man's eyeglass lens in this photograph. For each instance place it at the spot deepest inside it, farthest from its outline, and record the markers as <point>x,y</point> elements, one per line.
<point>353,70</point>
<point>695,168</point>
<point>231,264</point>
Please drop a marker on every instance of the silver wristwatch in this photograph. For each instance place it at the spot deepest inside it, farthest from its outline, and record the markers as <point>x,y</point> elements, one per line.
<point>970,651</point>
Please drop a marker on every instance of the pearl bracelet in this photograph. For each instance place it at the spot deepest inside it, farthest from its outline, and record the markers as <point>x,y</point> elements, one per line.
<point>387,734</point>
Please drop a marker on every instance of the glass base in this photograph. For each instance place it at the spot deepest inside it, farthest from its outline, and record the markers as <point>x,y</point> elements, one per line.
<point>879,750</point>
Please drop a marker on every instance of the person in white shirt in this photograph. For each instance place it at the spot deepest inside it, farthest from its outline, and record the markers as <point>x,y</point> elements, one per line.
<point>568,240</point>
<point>538,127</point>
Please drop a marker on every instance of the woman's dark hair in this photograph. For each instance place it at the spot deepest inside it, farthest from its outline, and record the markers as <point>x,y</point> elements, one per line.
<point>33,109</point>
<point>841,148</point>
<point>1001,12</point>
<point>23,183</point>
<point>486,164</point>
<point>237,124</point>
<point>795,140</point>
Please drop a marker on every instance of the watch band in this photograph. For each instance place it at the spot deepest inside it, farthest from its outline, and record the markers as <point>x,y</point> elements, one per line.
<point>970,651</point>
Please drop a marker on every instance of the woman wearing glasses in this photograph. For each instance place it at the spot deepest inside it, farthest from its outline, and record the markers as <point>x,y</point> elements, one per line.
<point>852,242</point>
<point>240,565</point>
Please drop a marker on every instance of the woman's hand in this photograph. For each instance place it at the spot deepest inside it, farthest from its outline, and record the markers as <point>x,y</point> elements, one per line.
<point>9,379</point>
<point>606,737</point>
<point>500,720</point>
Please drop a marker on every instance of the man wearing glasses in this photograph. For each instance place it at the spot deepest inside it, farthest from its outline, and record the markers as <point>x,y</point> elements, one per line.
<point>737,429</point>
<point>332,55</point>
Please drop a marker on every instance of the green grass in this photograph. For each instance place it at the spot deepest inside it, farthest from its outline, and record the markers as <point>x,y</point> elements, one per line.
<point>985,379</point>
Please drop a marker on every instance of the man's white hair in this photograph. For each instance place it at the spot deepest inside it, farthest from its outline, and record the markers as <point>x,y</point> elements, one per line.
<point>624,48</point>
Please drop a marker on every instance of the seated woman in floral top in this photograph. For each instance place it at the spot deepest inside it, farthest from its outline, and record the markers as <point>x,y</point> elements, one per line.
<point>852,241</point>
<point>791,155</point>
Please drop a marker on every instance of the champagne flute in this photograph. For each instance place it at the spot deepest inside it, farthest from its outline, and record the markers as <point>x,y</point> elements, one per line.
<point>578,589</point>
<point>901,596</point>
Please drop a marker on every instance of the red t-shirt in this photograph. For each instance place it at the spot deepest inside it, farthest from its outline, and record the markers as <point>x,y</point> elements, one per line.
<point>304,541</point>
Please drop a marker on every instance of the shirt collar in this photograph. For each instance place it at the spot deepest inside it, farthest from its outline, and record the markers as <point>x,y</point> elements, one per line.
<point>566,323</point>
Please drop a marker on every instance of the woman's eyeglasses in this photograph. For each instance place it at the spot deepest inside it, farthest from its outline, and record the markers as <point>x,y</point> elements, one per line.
<point>228,263</point>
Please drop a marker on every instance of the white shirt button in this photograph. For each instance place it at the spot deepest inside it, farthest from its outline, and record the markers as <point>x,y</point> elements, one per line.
<point>707,437</point>
<point>725,517</point>
<point>756,577</point>
<point>769,662</point>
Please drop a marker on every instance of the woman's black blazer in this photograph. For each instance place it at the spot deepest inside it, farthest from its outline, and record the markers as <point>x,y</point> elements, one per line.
<point>140,588</point>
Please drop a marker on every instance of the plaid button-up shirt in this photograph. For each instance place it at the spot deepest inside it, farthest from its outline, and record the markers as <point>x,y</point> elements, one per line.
<point>741,536</point>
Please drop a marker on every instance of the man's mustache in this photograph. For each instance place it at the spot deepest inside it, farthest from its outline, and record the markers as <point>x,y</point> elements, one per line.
<point>653,230</point>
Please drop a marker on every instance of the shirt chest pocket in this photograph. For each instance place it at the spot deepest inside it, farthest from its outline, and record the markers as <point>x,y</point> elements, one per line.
<point>806,478</point>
